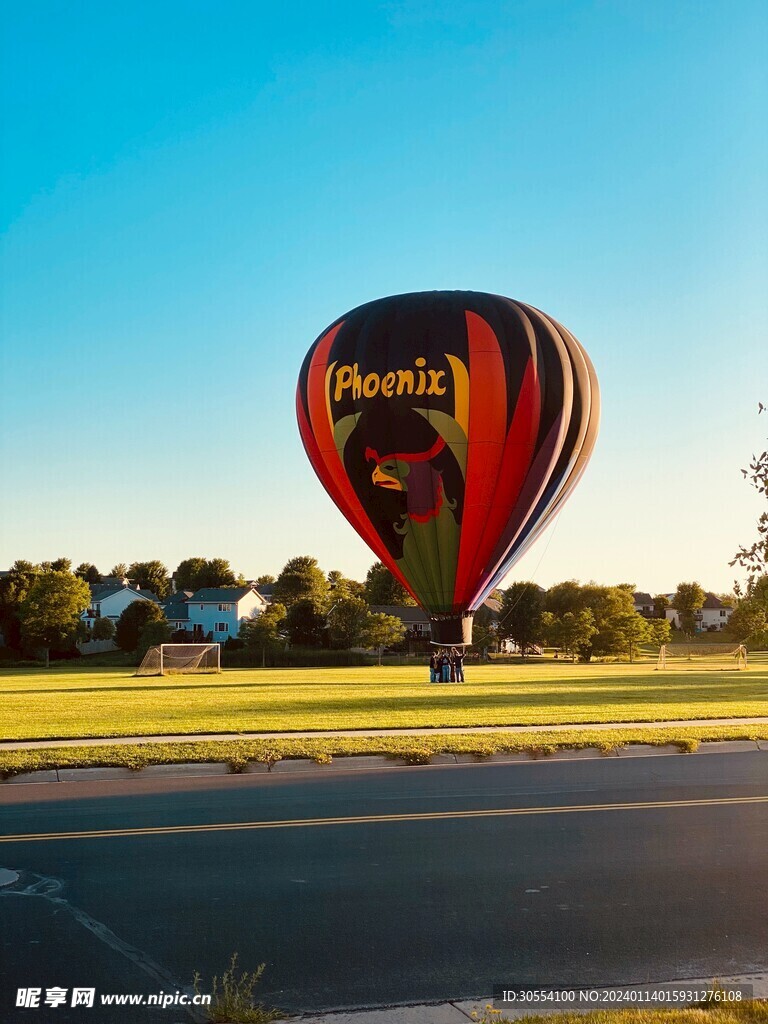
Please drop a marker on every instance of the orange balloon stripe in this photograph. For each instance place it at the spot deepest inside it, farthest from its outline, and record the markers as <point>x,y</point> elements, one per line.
<point>515,464</point>
<point>487,430</point>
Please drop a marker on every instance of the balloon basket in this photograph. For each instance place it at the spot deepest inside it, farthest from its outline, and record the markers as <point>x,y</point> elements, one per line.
<point>452,630</point>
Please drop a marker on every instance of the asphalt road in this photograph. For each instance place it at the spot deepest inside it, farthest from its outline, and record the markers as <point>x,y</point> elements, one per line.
<point>584,872</point>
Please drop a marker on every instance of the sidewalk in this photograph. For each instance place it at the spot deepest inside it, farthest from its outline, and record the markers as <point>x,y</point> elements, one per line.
<point>460,1011</point>
<point>362,733</point>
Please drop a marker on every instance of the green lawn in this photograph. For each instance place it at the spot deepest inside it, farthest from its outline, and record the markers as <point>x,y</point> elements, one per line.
<point>72,701</point>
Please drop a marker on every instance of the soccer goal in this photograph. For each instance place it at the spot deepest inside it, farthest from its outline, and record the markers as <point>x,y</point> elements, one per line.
<point>182,658</point>
<point>701,657</point>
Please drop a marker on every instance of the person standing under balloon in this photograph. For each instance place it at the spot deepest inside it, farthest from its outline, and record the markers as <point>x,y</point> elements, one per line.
<point>445,667</point>
<point>434,668</point>
<point>458,665</point>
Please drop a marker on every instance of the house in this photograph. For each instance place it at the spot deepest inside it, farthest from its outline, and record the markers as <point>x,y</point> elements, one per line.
<point>109,601</point>
<point>219,611</point>
<point>644,604</point>
<point>415,620</point>
<point>711,617</point>
<point>176,611</point>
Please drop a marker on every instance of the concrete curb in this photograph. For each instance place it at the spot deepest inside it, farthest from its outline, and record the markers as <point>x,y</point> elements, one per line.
<point>459,1011</point>
<point>369,762</point>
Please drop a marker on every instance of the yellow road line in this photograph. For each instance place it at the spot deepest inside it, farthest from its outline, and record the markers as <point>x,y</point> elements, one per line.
<point>502,812</point>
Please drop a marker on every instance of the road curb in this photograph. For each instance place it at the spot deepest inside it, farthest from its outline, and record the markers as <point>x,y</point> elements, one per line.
<point>458,1011</point>
<point>369,762</point>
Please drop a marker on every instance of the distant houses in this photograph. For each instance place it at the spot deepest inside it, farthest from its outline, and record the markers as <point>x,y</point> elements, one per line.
<point>110,599</point>
<point>711,618</point>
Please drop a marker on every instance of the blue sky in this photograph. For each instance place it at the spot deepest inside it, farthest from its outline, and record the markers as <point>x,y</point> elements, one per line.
<point>192,191</point>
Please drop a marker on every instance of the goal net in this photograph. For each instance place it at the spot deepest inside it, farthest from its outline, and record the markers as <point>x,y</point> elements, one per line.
<point>700,657</point>
<point>183,658</point>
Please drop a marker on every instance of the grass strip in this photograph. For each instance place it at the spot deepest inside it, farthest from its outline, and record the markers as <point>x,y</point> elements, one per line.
<point>753,1011</point>
<point>238,753</point>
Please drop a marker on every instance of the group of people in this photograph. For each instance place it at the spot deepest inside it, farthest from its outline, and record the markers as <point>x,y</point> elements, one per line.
<point>447,666</point>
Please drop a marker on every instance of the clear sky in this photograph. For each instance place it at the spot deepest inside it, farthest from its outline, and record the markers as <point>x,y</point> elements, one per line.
<point>193,190</point>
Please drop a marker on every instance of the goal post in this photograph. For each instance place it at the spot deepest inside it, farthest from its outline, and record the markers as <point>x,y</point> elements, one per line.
<point>165,659</point>
<point>696,657</point>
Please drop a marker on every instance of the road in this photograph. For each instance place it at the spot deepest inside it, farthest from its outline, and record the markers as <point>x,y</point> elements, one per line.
<point>446,881</point>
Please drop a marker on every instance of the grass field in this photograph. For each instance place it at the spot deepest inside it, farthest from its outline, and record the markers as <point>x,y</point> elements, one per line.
<point>72,702</point>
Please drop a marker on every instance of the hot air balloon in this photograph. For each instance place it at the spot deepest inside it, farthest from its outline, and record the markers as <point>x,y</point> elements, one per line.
<point>449,427</point>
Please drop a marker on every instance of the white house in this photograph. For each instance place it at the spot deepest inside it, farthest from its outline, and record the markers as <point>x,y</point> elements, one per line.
<point>109,600</point>
<point>219,611</point>
<point>711,618</point>
<point>643,604</point>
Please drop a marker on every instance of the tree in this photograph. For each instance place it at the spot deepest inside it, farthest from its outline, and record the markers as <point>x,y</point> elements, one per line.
<point>346,622</point>
<point>151,576</point>
<point>688,599</point>
<point>88,572</point>
<point>382,588</point>
<point>103,629</point>
<point>520,616</point>
<point>633,631</point>
<point>660,605</point>
<point>119,571</point>
<point>50,613</point>
<point>133,620</point>
<point>563,597</point>
<point>382,631</point>
<point>573,632</point>
<point>659,632</point>
<point>747,622</point>
<point>57,565</point>
<point>305,623</point>
<point>754,559</point>
<point>152,635</point>
<point>301,579</point>
<point>265,631</point>
<point>265,579</point>
<point>341,586</point>
<point>484,628</point>
<point>194,573</point>
<point>609,606</point>
<point>13,589</point>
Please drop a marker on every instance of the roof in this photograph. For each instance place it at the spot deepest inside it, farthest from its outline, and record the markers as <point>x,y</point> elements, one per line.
<point>712,602</point>
<point>265,589</point>
<point>492,605</point>
<point>101,591</point>
<point>640,597</point>
<point>406,613</point>
<point>223,595</point>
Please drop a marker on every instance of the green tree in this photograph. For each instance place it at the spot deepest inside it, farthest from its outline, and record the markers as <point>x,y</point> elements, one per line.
<point>218,573</point>
<point>380,631</point>
<point>301,579</point>
<point>341,586</point>
<point>659,632</point>
<point>520,616</point>
<point>632,630</point>
<point>264,632</point>
<point>564,597</point>
<point>13,589</point>
<point>188,573</point>
<point>152,635</point>
<point>381,587</point>
<point>754,559</point>
<point>748,622</point>
<point>151,576</point>
<point>119,571</point>
<point>609,606</point>
<point>574,632</point>
<point>688,599</point>
<point>265,579</point>
<point>305,623</point>
<point>133,620</point>
<point>88,572</point>
<point>57,565</point>
<point>346,622</point>
<point>103,629</point>
<point>50,613</point>
<point>660,605</point>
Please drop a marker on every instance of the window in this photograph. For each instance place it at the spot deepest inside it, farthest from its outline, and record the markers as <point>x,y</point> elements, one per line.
<point>225,607</point>
<point>722,613</point>
<point>222,627</point>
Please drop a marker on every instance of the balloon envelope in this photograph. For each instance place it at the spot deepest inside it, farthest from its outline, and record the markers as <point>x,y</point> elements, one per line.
<point>449,428</point>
